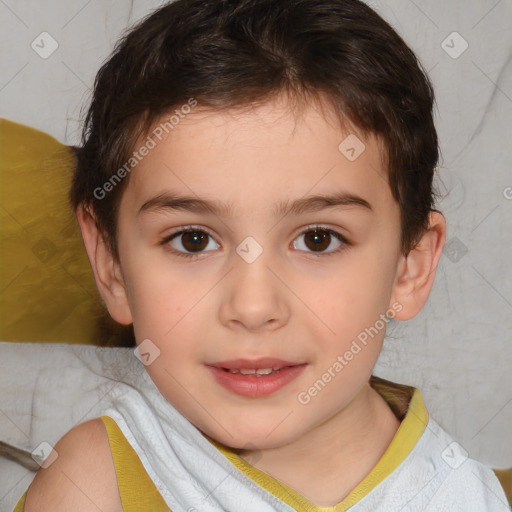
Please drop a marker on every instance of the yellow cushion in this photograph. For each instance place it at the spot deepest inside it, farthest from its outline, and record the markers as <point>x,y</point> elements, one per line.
<point>47,287</point>
<point>505,478</point>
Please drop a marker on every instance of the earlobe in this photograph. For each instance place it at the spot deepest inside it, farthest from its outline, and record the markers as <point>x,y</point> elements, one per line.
<point>106,269</point>
<point>417,270</point>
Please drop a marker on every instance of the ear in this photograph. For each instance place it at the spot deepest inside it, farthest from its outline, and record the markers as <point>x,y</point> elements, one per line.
<point>417,270</point>
<point>106,270</point>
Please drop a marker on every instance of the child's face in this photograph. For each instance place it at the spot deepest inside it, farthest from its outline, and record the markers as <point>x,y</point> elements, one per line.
<point>290,302</point>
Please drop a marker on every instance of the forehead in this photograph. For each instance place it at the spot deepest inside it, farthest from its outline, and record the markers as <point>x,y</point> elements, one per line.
<point>248,159</point>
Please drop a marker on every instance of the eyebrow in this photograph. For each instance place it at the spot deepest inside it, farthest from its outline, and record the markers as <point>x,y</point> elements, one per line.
<point>173,202</point>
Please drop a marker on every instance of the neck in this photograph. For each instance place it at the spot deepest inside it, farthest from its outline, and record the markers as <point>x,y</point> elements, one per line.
<point>358,435</point>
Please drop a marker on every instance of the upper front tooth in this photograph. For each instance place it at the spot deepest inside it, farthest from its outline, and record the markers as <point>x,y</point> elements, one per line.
<point>264,371</point>
<point>252,371</point>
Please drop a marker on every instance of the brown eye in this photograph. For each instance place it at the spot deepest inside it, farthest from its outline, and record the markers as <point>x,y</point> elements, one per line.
<point>318,240</point>
<point>194,240</point>
<point>191,241</point>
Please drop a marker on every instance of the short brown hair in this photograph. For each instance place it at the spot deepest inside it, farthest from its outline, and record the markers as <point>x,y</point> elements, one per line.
<point>234,53</point>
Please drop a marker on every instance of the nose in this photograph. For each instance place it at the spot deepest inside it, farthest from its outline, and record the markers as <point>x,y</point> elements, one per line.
<point>255,297</point>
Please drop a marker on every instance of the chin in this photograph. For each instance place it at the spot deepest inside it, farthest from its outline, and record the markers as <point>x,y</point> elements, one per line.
<point>251,437</point>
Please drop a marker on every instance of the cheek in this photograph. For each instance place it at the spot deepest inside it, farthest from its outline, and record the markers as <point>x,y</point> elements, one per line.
<point>160,308</point>
<point>350,306</point>
<point>168,309</point>
<point>356,292</point>
<point>159,294</point>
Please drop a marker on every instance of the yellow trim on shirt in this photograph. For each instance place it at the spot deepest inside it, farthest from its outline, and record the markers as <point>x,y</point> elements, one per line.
<point>20,507</point>
<point>407,435</point>
<point>137,490</point>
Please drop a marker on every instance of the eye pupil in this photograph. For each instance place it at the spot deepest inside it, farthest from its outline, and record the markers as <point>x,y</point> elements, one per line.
<point>320,239</point>
<point>197,240</point>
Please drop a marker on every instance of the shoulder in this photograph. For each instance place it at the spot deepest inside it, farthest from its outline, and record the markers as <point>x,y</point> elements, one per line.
<point>454,481</point>
<point>82,478</point>
<point>472,486</point>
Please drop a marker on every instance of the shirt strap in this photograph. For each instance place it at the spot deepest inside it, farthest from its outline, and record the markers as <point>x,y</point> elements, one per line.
<point>137,491</point>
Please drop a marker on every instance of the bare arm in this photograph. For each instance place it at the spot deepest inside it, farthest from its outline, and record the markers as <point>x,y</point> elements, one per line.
<point>82,478</point>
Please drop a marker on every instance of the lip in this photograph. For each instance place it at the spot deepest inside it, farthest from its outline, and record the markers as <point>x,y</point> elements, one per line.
<point>251,385</point>
<point>253,364</point>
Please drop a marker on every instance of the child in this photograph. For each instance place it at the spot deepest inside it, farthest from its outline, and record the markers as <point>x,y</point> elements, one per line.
<point>255,195</point>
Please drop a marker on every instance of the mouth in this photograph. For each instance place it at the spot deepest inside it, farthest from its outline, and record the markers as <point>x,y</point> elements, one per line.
<point>261,366</point>
<point>259,372</point>
<point>255,377</point>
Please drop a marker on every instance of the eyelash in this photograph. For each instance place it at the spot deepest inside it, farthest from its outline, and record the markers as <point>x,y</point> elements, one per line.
<point>194,229</point>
